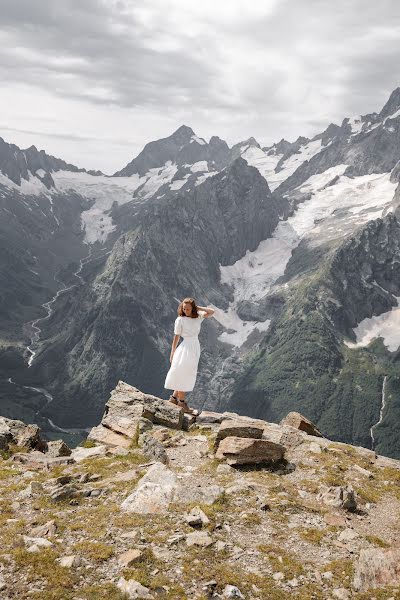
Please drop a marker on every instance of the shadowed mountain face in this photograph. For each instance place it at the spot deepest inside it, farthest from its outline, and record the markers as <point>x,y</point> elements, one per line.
<point>295,246</point>
<point>172,249</point>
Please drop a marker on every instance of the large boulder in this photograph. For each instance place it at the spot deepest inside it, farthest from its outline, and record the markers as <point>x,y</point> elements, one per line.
<point>19,433</point>
<point>128,401</point>
<point>377,568</point>
<point>298,421</point>
<point>242,451</point>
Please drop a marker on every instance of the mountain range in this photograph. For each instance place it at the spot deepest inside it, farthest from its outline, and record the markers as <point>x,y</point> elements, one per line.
<point>295,245</point>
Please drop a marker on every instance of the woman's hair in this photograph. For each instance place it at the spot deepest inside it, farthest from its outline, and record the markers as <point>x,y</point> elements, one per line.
<point>188,301</point>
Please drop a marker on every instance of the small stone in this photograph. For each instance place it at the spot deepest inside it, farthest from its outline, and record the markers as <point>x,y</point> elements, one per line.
<point>197,518</point>
<point>348,535</point>
<point>220,546</point>
<point>131,535</point>
<point>327,575</point>
<point>38,541</point>
<point>49,528</point>
<point>133,589</point>
<point>334,519</point>
<point>278,576</point>
<point>199,538</point>
<point>315,448</point>
<point>231,591</point>
<point>341,594</point>
<point>69,561</point>
<point>129,557</point>
<point>361,471</point>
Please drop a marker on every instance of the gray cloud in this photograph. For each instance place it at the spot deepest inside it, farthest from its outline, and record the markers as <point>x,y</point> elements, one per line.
<point>269,69</point>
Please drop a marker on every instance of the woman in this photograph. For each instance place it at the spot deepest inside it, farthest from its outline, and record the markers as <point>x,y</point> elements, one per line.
<point>184,360</point>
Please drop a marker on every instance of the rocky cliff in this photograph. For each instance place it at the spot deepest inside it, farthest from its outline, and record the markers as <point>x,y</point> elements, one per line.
<point>155,504</point>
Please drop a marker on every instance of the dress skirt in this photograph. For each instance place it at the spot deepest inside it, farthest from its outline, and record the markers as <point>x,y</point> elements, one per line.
<point>183,370</point>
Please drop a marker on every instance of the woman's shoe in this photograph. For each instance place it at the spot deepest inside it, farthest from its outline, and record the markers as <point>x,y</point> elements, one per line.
<point>173,400</point>
<point>187,409</point>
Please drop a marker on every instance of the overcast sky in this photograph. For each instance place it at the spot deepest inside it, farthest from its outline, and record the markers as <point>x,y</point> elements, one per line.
<point>92,81</point>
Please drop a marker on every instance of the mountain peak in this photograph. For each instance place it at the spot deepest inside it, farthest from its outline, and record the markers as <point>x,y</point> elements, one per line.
<point>392,105</point>
<point>184,129</point>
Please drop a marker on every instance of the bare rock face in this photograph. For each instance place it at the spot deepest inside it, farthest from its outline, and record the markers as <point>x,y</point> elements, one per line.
<point>242,451</point>
<point>239,428</point>
<point>377,568</point>
<point>296,420</point>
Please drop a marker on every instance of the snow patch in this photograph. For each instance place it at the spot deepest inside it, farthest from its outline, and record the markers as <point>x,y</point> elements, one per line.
<point>386,326</point>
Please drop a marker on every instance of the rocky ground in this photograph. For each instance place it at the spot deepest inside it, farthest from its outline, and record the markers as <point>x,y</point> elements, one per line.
<point>155,505</point>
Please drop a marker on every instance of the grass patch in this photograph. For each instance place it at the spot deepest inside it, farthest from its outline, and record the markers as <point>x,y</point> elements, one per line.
<point>97,551</point>
<point>281,560</point>
<point>377,541</point>
<point>312,535</point>
<point>342,571</point>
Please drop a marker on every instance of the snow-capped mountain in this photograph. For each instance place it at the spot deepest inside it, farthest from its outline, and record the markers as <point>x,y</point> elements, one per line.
<point>266,235</point>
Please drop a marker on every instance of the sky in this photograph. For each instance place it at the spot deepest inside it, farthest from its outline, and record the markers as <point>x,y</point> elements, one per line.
<point>92,81</point>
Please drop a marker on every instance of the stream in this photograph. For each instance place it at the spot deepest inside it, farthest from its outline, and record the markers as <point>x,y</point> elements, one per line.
<point>73,435</point>
<point>383,404</point>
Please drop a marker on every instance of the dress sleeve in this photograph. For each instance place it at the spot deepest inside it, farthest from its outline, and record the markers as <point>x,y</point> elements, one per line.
<point>201,314</point>
<point>178,326</point>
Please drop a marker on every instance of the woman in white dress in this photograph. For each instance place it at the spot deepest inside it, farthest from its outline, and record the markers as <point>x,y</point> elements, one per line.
<point>184,359</point>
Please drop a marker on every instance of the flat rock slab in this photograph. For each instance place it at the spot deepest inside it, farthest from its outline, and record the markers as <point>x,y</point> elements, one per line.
<point>108,436</point>
<point>38,460</point>
<point>80,452</point>
<point>242,451</point>
<point>154,492</point>
<point>239,428</point>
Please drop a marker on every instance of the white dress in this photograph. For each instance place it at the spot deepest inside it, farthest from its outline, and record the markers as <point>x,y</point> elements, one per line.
<point>183,370</point>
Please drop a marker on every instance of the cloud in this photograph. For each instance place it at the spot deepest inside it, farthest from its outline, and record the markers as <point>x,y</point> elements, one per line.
<point>272,69</point>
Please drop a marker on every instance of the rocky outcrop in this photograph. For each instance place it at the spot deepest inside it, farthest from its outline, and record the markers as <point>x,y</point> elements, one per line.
<point>123,515</point>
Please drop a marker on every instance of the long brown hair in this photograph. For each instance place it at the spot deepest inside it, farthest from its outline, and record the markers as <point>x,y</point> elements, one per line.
<point>188,301</point>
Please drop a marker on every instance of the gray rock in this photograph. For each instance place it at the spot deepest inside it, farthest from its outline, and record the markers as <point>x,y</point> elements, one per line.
<point>80,453</point>
<point>298,421</point>
<point>197,518</point>
<point>238,428</point>
<point>154,492</point>
<point>153,448</point>
<point>231,591</point>
<point>107,436</point>
<point>199,538</point>
<point>203,494</point>
<point>377,568</point>
<point>242,451</point>
<point>338,496</point>
<point>133,589</point>
<point>57,448</point>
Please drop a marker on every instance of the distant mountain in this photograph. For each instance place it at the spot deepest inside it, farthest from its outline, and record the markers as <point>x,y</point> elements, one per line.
<point>296,246</point>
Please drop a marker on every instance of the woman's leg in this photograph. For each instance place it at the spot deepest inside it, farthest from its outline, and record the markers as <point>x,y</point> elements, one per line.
<point>180,395</point>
